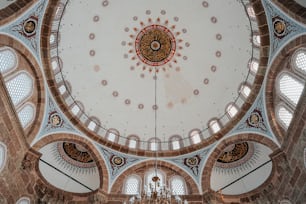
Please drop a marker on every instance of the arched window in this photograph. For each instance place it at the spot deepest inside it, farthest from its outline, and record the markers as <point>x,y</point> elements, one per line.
<point>154,144</point>
<point>299,60</point>
<point>132,141</point>
<point>231,110</point>
<point>177,185</point>
<point>2,155</point>
<point>284,115</point>
<point>26,115</point>
<point>195,137</point>
<point>245,90</point>
<point>112,135</point>
<point>8,60</point>
<point>132,185</point>
<point>290,88</point>
<point>20,87</point>
<point>175,142</point>
<point>214,126</point>
<point>150,184</point>
<point>251,12</point>
<point>256,40</point>
<point>24,200</point>
<point>75,109</point>
<point>253,66</point>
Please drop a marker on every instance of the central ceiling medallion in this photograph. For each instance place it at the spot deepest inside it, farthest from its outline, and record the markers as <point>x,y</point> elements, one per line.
<point>155,45</point>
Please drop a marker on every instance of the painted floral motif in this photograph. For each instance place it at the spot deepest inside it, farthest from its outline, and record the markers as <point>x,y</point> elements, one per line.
<point>193,163</point>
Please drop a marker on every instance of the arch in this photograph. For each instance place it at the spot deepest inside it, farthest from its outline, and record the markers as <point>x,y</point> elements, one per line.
<point>168,168</point>
<point>102,168</point>
<point>132,141</point>
<point>112,135</point>
<point>23,200</point>
<point>154,144</point>
<point>175,142</point>
<point>277,66</point>
<point>33,69</point>
<point>222,145</point>
<point>214,126</point>
<point>195,136</point>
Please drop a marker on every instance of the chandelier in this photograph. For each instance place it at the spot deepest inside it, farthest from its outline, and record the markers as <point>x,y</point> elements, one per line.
<point>155,192</point>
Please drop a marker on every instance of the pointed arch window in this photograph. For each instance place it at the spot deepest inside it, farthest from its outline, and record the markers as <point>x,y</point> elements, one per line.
<point>290,88</point>
<point>20,87</point>
<point>132,185</point>
<point>177,185</point>
<point>26,115</point>
<point>8,60</point>
<point>284,115</point>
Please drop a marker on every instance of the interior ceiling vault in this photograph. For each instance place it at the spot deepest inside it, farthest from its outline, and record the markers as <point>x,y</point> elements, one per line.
<point>116,86</point>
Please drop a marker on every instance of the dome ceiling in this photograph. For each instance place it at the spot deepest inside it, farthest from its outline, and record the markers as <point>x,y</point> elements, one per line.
<point>190,59</point>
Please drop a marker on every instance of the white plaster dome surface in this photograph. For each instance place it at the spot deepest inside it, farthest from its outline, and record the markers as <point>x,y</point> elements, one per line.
<point>210,45</point>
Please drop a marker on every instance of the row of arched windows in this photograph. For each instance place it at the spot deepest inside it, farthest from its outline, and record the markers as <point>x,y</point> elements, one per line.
<point>134,184</point>
<point>19,84</point>
<point>289,86</point>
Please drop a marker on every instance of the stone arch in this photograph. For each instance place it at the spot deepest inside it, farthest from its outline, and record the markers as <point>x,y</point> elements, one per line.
<point>168,168</point>
<point>102,168</point>
<point>232,140</point>
<point>38,92</point>
<point>279,64</point>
